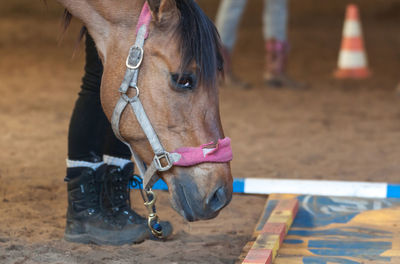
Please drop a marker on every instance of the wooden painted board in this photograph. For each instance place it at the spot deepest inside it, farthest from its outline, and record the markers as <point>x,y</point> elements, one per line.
<point>344,231</point>
<point>273,225</point>
<point>330,260</point>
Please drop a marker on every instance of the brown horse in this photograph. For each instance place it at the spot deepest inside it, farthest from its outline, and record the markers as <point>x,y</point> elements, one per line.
<point>178,89</point>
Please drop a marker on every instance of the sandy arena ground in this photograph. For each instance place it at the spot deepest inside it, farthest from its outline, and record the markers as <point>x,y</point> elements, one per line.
<point>344,130</point>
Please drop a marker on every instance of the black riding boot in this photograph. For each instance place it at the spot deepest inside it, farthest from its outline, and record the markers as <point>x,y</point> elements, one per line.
<point>87,222</point>
<point>116,182</point>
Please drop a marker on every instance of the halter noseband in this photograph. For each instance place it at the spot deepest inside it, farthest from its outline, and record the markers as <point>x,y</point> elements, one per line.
<point>163,160</point>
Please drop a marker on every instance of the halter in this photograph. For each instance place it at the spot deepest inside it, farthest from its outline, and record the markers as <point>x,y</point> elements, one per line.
<point>163,160</point>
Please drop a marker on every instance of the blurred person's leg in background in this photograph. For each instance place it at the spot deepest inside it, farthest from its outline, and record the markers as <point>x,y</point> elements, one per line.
<point>228,17</point>
<point>275,24</point>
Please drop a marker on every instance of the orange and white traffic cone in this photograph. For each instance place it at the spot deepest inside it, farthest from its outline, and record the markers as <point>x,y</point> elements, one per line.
<point>352,58</point>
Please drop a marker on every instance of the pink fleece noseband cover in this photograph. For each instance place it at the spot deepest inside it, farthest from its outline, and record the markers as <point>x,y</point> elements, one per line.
<point>222,152</point>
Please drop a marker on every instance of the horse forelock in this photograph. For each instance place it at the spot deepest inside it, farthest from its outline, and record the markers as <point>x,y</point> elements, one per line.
<point>199,42</point>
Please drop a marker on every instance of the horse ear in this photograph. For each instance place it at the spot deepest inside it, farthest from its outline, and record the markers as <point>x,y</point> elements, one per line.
<point>162,9</point>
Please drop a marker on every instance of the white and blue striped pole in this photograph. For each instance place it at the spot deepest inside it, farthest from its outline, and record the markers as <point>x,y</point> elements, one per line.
<point>310,187</point>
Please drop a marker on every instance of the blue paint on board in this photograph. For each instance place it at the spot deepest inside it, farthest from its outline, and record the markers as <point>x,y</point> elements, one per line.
<point>393,191</point>
<point>304,219</point>
<point>326,260</point>
<point>349,245</point>
<point>318,211</point>
<point>311,215</point>
<point>369,254</point>
<point>293,241</point>
<point>345,232</point>
<point>267,212</point>
<point>370,250</point>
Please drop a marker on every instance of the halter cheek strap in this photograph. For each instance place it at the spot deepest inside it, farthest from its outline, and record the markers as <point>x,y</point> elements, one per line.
<point>144,19</point>
<point>163,160</point>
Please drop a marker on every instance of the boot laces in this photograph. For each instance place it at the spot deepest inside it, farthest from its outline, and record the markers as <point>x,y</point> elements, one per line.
<point>92,197</point>
<point>116,190</point>
<point>117,193</point>
<point>95,202</point>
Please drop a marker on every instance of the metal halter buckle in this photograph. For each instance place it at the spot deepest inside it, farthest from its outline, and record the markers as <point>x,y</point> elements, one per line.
<point>159,157</point>
<point>135,57</point>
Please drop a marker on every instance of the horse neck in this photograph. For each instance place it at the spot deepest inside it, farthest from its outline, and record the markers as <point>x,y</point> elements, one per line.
<point>103,22</point>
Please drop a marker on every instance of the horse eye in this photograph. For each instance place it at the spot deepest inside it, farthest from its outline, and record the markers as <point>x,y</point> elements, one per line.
<point>185,81</point>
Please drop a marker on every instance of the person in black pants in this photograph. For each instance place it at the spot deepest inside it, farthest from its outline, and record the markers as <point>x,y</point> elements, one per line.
<point>99,168</point>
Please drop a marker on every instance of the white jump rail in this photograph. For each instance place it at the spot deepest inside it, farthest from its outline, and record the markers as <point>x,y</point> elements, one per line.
<point>310,187</point>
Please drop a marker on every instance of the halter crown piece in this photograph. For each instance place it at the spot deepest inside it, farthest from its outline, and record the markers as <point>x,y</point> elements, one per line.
<point>163,160</point>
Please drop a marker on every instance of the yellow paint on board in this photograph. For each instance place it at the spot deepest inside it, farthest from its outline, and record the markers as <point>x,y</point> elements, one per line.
<point>267,241</point>
<point>281,217</point>
<point>281,196</point>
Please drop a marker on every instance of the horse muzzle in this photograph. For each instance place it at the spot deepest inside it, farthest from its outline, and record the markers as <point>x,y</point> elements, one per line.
<point>200,192</point>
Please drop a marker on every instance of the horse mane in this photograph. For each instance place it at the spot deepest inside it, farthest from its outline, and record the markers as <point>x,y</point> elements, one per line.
<point>66,21</point>
<point>199,41</point>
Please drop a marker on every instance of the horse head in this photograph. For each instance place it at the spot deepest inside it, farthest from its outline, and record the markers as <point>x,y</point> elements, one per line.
<point>178,89</point>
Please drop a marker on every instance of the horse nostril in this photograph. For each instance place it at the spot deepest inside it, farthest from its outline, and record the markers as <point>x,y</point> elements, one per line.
<point>217,200</point>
